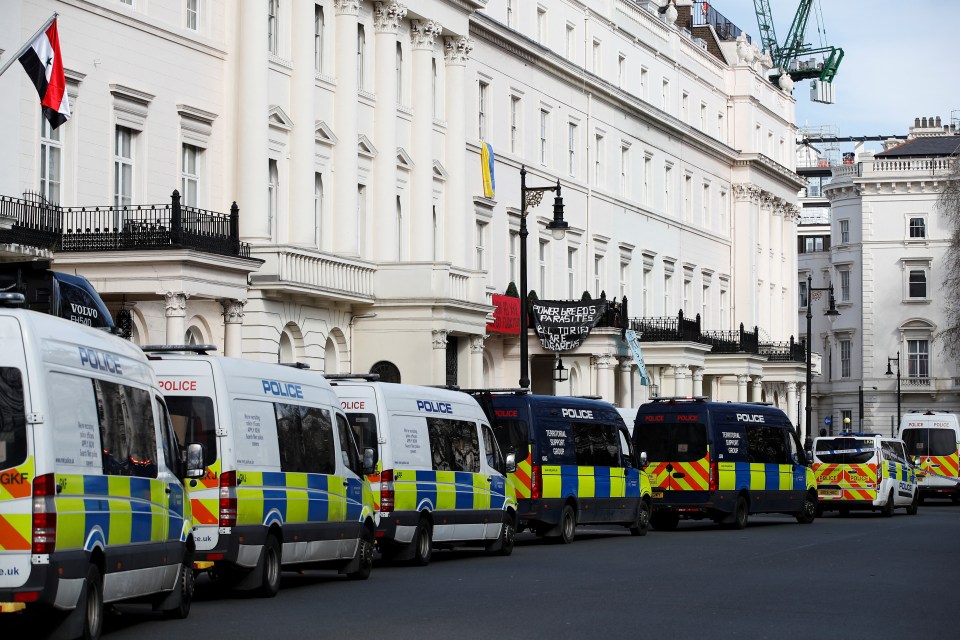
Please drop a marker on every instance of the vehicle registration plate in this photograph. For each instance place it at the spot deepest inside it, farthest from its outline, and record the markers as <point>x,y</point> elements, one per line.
<point>829,492</point>
<point>658,494</point>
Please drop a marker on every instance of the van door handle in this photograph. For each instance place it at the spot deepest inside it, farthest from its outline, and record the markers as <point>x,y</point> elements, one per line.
<point>679,474</point>
<point>346,483</point>
<point>490,479</point>
<point>167,489</point>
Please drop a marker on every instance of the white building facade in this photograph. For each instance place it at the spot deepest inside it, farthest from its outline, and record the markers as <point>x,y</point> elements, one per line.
<point>348,133</point>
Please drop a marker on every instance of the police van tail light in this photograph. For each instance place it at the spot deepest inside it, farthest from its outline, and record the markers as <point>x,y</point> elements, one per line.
<point>44,514</point>
<point>228,499</point>
<point>714,476</point>
<point>536,482</point>
<point>386,491</point>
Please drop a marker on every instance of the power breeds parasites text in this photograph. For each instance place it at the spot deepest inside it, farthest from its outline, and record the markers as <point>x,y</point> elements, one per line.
<point>282,389</point>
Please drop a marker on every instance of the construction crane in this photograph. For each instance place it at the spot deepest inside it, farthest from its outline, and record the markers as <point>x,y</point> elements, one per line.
<point>819,64</point>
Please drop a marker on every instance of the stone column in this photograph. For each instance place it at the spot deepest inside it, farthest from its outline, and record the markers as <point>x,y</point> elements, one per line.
<point>422,241</point>
<point>251,105</point>
<point>300,225</point>
<point>792,402</point>
<point>625,398</point>
<point>757,395</point>
<point>386,19</point>
<point>175,307</point>
<point>345,241</point>
<point>439,356</point>
<point>697,381</point>
<point>459,231</point>
<point>232,326</point>
<point>680,375</point>
<point>742,387</point>
<point>605,371</point>
<point>476,360</point>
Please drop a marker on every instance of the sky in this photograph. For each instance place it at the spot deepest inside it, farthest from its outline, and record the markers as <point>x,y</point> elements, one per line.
<point>897,66</point>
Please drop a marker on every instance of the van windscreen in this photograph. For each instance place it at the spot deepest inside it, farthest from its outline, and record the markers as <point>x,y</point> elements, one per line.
<point>844,451</point>
<point>364,427</point>
<point>513,436</point>
<point>13,420</point>
<point>930,442</point>
<point>194,422</point>
<point>671,441</point>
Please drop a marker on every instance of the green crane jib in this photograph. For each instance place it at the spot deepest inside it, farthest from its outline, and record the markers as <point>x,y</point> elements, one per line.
<point>786,58</point>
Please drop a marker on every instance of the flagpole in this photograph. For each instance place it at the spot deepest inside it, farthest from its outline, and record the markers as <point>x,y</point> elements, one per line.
<point>16,56</point>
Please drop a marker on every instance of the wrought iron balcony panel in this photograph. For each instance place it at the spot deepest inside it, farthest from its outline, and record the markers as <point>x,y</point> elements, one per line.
<point>34,222</point>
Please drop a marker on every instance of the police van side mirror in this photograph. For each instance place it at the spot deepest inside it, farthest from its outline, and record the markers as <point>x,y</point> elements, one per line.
<point>511,462</point>
<point>368,465</point>
<point>195,460</point>
<point>915,460</point>
<point>643,460</point>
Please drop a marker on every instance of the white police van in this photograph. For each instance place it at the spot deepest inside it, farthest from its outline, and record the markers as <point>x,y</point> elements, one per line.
<point>284,484</point>
<point>92,507</point>
<point>440,478</point>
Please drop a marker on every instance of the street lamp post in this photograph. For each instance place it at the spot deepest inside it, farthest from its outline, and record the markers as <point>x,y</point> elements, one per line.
<point>890,373</point>
<point>558,226</point>
<point>831,313</point>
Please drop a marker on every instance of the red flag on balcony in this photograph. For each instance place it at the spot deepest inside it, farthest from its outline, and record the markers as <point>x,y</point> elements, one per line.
<point>42,62</point>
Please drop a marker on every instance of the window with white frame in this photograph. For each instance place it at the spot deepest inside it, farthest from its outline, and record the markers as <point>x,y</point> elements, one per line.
<point>514,124</point>
<point>570,43</point>
<point>481,239</point>
<point>684,106</point>
<point>667,293</point>
<point>918,228</point>
<point>544,123</point>
<point>844,231</point>
<point>542,267</point>
<point>667,188</point>
<point>665,95</point>
<point>597,57</point>
<point>193,15</point>
<point>723,212</point>
<point>647,179</point>
<point>51,161</point>
<point>723,308</point>
<point>572,148</point>
<point>434,88</point>
<point>687,197</point>
<point>317,207</point>
<point>319,22</point>
<point>647,291</point>
<point>129,3</point>
<point>273,26</point>
<point>703,117</point>
<point>705,304</point>
<point>721,128</point>
<point>399,73</point>
<point>917,283</point>
<point>845,347</point>
<point>621,70</point>
<point>844,285</point>
<point>918,358</point>
<point>273,193</point>
<point>513,241</point>
<point>597,275</point>
<point>398,230</point>
<point>482,109</point>
<point>361,55</point>
<point>705,205</point>
<point>190,175</point>
<point>644,83</point>
<point>812,245</point>
<point>123,166</point>
<point>572,273</point>
<point>541,25</point>
<point>510,14</point>
<point>802,294</point>
<point>624,278</point>
<point>625,169</point>
<point>687,284</point>
<point>598,152</point>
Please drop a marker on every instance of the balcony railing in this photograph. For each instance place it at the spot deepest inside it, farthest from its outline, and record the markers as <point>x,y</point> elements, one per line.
<point>159,226</point>
<point>703,13</point>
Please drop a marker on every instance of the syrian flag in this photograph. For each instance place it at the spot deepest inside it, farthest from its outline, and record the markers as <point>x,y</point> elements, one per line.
<point>42,62</point>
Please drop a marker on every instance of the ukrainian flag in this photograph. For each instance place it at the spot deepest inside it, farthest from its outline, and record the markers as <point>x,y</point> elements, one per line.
<point>486,167</point>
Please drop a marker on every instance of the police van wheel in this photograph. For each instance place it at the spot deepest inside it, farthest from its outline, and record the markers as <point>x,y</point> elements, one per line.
<point>955,498</point>
<point>642,523</point>
<point>186,585</point>
<point>503,545</point>
<point>92,604</point>
<point>915,505</point>
<point>888,508</point>
<point>422,544</point>
<point>364,556</point>
<point>808,512</point>
<point>740,513</point>
<point>568,525</point>
<point>270,581</point>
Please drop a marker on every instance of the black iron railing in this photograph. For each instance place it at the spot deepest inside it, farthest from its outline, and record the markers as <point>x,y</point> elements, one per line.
<point>30,221</point>
<point>159,226</point>
<point>703,13</point>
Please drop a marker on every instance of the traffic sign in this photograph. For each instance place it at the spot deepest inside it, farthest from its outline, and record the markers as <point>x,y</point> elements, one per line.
<point>828,420</point>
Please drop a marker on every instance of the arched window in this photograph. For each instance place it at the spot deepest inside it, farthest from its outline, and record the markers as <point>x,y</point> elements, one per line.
<point>192,336</point>
<point>285,352</point>
<point>387,371</point>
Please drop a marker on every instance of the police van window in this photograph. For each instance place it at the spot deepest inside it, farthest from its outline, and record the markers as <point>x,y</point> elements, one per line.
<point>305,436</point>
<point>365,430</point>
<point>348,446</point>
<point>930,442</point>
<point>127,430</point>
<point>844,450</point>
<point>492,451</point>
<point>670,440</point>
<point>555,443</point>
<point>793,448</point>
<point>194,422</point>
<point>454,445</point>
<point>898,451</point>
<point>513,436</point>
<point>13,423</point>
<point>596,444</point>
<point>626,451</point>
<point>168,444</point>
<point>889,453</point>
<point>766,445</point>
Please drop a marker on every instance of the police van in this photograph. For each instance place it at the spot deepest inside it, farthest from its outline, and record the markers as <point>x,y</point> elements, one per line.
<point>440,478</point>
<point>933,437</point>
<point>722,461</point>
<point>284,484</point>
<point>864,471</point>
<point>92,507</point>
<point>576,463</point>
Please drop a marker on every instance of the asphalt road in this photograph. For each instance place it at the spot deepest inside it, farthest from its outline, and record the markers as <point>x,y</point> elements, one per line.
<point>859,576</point>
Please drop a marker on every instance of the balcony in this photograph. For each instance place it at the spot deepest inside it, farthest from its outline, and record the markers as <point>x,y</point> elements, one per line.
<point>30,222</point>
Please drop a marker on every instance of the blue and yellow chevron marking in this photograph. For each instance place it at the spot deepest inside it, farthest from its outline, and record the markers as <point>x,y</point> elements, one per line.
<point>449,490</point>
<point>561,481</point>
<point>756,476</point>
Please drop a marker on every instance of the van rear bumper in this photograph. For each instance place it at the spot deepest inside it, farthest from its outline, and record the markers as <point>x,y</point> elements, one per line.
<point>230,550</point>
<point>42,586</point>
<point>695,504</point>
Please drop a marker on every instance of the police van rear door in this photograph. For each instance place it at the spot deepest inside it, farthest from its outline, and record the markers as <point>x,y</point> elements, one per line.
<point>16,459</point>
<point>675,440</point>
<point>846,467</point>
